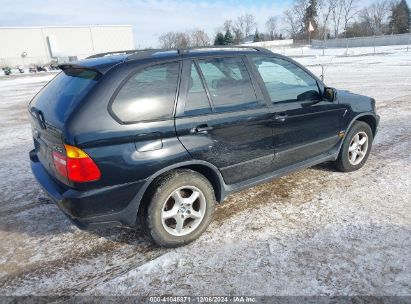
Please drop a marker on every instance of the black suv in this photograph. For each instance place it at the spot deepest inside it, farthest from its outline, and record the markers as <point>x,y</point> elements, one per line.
<point>161,135</point>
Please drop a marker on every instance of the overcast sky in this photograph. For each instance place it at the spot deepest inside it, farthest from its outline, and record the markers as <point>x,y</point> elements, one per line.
<point>150,18</point>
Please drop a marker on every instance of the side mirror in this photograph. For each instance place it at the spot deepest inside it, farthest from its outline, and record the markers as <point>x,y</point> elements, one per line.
<point>309,95</point>
<point>329,94</point>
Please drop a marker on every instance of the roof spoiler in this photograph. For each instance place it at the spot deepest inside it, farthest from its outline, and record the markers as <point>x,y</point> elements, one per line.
<point>66,66</point>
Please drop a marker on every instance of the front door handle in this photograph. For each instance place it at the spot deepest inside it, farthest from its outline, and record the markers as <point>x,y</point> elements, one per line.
<point>280,117</point>
<point>201,129</point>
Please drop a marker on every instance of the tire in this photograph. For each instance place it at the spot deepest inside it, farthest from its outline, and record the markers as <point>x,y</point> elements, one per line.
<point>190,198</point>
<point>346,161</point>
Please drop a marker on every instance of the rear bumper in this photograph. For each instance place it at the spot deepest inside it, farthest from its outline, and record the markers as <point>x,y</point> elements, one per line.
<point>97,208</point>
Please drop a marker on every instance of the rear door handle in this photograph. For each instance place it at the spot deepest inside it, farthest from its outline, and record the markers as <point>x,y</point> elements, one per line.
<point>280,117</point>
<point>201,129</point>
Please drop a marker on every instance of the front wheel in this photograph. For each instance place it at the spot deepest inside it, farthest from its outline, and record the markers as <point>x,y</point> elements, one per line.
<point>356,147</point>
<point>181,208</point>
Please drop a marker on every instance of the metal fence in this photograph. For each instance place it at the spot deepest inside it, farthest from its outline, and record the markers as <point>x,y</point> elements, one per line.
<point>401,39</point>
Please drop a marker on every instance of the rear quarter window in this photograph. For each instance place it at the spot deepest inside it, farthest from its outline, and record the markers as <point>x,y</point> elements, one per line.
<point>61,95</point>
<point>149,94</point>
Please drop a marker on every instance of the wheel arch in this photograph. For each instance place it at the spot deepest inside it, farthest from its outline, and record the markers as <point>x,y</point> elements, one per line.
<point>369,119</point>
<point>206,169</point>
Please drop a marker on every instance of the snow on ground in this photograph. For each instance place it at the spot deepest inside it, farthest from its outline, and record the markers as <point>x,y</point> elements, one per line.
<point>314,232</point>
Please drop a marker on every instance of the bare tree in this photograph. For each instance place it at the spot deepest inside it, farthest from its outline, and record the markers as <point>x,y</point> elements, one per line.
<point>167,40</point>
<point>175,40</point>
<point>228,25</point>
<point>182,40</point>
<point>326,8</point>
<point>250,24</point>
<point>375,17</point>
<point>349,10</point>
<point>290,21</point>
<point>199,38</point>
<point>238,35</point>
<point>271,26</point>
<point>245,24</point>
<point>294,18</point>
<point>336,16</point>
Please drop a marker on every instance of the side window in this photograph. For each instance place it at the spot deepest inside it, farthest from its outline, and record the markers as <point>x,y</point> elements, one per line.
<point>197,100</point>
<point>286,82</point>
<point>148,95</point>
<point>229,84</point>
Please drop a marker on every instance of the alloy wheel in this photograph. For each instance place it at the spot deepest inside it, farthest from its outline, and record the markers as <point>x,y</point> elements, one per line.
<point>358,148</point>
<point>183,210</point>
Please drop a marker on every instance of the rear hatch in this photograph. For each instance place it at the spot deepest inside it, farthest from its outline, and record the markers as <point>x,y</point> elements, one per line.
<point>50,109</point>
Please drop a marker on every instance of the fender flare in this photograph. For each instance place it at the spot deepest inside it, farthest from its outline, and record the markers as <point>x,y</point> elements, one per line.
<point>375,116</point>
<point>134,205</point>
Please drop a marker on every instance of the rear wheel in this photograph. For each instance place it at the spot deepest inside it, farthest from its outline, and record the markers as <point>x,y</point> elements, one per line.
<point>356,148</point>
<point>181,208</point>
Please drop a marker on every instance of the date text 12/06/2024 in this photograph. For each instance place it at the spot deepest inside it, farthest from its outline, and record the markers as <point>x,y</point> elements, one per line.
<point>203,299</point>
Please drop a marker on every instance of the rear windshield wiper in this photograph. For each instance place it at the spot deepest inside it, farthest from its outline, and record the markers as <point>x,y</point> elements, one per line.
<point>40,117</point>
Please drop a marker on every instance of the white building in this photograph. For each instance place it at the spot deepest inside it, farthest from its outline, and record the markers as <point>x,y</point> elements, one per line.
<point>40,45</point>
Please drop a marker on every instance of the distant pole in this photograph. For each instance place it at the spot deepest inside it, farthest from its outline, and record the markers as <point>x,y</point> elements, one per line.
<point>322,72</point>
<point>346,49</point>
<point>408,43</point>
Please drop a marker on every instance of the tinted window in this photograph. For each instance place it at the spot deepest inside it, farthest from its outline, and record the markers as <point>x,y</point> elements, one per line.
<point>229,83</point>
<point>286,82</point>
<point>197,100</point>
<point>63,93</point>
<point>148,95</point>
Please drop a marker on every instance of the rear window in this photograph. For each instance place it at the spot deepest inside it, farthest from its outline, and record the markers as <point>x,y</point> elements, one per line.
<point>60,96</point>
<point>148,95</point>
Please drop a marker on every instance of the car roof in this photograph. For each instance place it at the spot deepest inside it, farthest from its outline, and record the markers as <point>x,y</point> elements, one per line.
<point>105,61</point>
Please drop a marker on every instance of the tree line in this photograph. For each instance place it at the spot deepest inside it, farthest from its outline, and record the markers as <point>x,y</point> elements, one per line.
<point>346,18</point>
<point>329,18</point>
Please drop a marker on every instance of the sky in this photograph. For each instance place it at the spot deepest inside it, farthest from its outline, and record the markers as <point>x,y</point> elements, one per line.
<point>149,18</point>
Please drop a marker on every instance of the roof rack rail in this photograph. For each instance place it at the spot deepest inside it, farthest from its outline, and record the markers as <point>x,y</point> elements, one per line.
<point>125,52</point>
<point>229,47</point>
<point>134,54</point>
<point>148,52</point>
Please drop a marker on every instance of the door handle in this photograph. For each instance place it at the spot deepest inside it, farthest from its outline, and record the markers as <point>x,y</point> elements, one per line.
<point>201,129</point>
<point>280,117</point>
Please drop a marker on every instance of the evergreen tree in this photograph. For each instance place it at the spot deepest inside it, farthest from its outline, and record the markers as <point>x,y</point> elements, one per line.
<point>311,16</point>
<point>400,19</point>
<point>219,39</point>
<point>228,38</point>
<point>257,37</point>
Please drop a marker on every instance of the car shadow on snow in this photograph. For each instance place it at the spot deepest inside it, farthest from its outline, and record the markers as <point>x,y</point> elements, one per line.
<point>42,218</point>
<point>326,167</point>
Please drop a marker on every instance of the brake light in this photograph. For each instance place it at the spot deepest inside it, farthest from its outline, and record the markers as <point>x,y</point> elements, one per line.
<point>76,165</point>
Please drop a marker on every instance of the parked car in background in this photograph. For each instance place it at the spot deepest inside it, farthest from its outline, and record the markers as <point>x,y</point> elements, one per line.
<point>162,135</point>
<point>41,68</point>
<point>6,70</point>
<point>32,69</point>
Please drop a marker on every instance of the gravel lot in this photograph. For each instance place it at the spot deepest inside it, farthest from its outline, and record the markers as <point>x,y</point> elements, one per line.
<point>314,232</point>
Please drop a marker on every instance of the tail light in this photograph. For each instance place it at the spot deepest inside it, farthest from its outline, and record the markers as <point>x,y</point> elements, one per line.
<point>76,165</point>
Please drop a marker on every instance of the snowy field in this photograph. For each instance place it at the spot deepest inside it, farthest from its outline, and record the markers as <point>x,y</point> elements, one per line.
<point>315,232</point>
